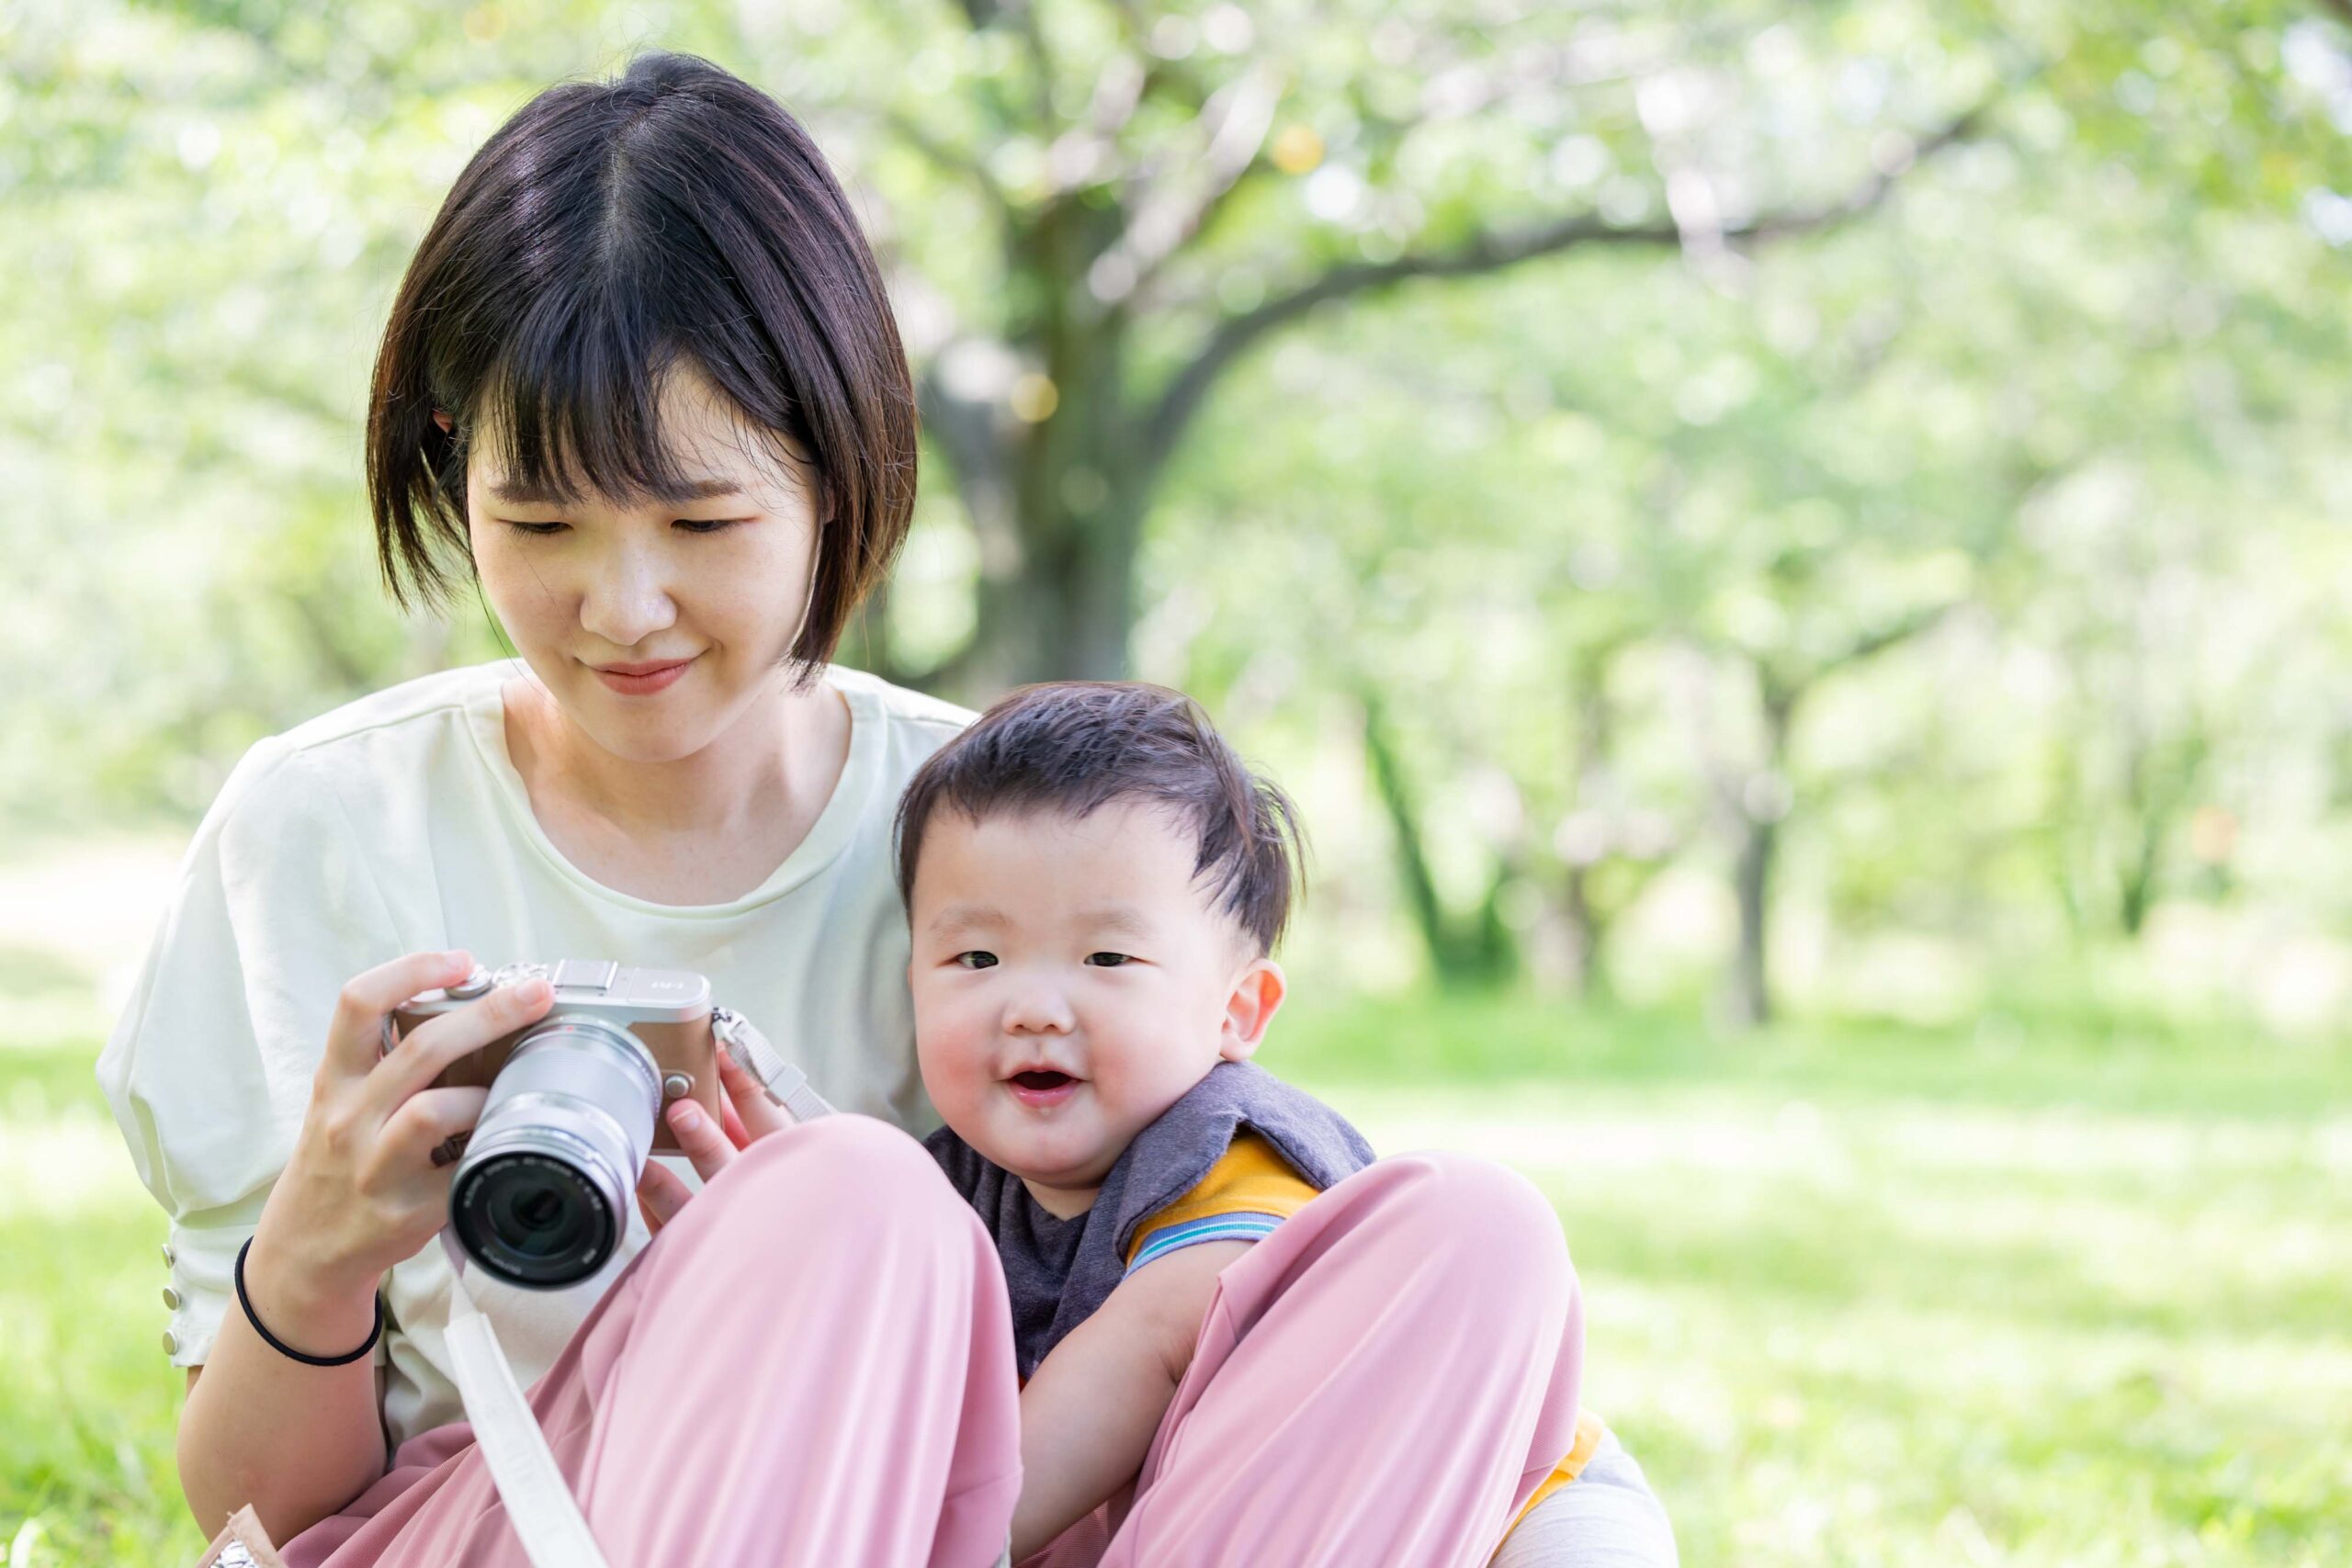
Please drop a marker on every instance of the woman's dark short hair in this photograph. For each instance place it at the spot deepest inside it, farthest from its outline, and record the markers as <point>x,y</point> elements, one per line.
<point>1072,746</point>
<point>604,232</point>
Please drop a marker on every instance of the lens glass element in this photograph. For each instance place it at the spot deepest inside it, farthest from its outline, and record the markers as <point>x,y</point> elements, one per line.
<point>534,1220</point>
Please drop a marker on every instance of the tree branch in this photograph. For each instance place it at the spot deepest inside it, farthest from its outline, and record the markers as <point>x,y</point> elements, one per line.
<point>1870,644</point>
<point>1233,122</point>
<point>1486,253</point>
<point>963,429</point>
<point>951,160</point>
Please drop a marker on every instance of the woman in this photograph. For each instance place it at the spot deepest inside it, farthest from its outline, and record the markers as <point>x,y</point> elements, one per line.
<point>642,383</point>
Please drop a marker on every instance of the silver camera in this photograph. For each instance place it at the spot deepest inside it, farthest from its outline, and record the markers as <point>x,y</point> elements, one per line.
<point>575,1104</point>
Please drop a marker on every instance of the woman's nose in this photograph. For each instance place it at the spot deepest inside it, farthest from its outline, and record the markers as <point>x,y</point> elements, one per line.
<point>627,598</point>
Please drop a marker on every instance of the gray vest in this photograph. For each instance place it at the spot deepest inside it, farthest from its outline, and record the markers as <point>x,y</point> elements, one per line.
<point>1060,1270</point>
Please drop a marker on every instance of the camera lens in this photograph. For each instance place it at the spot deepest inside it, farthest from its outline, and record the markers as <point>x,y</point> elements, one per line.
<point>534,1220</point>
<point>538,1198</point>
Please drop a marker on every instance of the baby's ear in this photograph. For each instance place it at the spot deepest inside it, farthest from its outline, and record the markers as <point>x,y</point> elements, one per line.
<point>1257,994</point>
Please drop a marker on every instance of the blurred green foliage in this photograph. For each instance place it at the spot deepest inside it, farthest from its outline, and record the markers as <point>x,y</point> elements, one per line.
<point>1955,573</point>
<point>1930,614</point>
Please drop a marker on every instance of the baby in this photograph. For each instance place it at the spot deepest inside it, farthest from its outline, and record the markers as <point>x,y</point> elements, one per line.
<point>1095,884</point>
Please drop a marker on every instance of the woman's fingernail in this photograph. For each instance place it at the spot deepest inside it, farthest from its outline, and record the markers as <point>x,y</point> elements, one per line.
<point>688,1117</point>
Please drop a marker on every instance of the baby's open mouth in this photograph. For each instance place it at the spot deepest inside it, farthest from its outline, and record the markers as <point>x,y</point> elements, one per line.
<point>1042,1080</point>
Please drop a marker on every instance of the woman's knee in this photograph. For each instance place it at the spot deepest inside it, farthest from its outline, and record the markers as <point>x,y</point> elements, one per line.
<point>1490,1226</point>
<point>843,1170</point>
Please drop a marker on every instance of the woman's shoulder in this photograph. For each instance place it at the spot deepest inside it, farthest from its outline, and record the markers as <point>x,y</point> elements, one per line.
<point>926,719</point>
<point>340,757</point>
<point>444,699</point>
<point>911,724</point>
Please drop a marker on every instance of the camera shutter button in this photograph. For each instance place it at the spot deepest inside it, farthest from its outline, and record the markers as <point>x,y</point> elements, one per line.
<point>474,984</point>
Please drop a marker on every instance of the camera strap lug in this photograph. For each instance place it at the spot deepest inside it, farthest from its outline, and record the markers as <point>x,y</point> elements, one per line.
<point>785,1084</point>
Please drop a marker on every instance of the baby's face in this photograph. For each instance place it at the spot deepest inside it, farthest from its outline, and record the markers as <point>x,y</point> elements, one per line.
<point>1070,983</point>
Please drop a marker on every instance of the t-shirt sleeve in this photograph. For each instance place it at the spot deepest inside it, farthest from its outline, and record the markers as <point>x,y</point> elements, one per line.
<point>210,1067</point>
<point>1245,1195</point>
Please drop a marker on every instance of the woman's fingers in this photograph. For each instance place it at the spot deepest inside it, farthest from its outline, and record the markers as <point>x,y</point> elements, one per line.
<point>426,1121</point>
<point>749,1101</point>
<point>700,1138</point>
<point>428,1049</point>
<point>660,1193</point>
<point>356,1036</point>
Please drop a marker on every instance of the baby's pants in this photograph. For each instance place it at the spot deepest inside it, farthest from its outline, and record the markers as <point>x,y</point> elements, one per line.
<point>813,1366</point>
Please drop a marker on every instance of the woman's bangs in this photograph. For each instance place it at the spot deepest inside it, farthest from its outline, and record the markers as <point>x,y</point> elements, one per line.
<point>571,408</point>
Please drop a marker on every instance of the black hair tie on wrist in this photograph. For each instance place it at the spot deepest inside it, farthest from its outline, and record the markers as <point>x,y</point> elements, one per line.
<point>283,1348</point>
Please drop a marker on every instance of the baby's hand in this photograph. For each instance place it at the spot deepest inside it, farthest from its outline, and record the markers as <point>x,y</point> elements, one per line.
<point>746,1114</point>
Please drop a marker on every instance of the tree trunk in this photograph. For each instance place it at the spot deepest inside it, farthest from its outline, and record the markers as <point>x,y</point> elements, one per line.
<point>1588,935</point>
<point>1064,610</point>
<point>1477,952</point>
<point>1591,723</point>
<point>1751,991</point>
<point>1760,814</point>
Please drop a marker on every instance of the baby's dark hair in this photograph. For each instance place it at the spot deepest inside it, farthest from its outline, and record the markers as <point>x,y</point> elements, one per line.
<point>1072,746</point>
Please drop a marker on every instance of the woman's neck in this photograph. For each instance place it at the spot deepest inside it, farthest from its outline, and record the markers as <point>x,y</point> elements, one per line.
<point>701,829</point>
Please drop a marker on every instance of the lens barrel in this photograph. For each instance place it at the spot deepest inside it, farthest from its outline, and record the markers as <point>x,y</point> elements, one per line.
<point>539,1196</point>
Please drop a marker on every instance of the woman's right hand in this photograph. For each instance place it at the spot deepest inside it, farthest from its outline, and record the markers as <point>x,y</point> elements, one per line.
<point>361,1191</point>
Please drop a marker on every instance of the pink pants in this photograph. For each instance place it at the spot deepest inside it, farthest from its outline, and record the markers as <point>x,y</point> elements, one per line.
<point>813,1365</point>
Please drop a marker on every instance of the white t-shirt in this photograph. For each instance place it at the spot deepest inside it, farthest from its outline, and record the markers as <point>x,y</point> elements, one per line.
<point>397,824</point>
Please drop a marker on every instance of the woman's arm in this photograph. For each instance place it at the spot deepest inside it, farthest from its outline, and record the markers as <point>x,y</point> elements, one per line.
<point>1088,1415</point>
<point>360,1193</point>
<point>320,1443</point>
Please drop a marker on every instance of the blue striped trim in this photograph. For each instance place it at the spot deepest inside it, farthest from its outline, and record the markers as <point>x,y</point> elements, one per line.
<point>1210,1227</point>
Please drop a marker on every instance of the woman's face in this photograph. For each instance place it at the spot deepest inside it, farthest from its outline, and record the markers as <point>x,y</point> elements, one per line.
<point>656,625</point>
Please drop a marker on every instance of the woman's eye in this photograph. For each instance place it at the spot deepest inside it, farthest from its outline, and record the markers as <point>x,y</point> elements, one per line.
<point>707,525</point>
<point>1106,960</point>
<point>538,530</point>
<point>976,960</point>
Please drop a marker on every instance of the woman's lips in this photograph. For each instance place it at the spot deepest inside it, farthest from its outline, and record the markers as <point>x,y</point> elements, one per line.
<point>1041,1089</point>
<point>641,680</point>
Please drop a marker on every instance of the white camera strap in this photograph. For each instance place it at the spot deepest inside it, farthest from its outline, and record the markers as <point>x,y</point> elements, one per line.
<point>785,1084</point>
<point>539,1505</point>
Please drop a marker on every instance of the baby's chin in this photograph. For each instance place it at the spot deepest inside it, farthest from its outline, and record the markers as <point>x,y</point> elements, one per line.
<point>1053,1160</point>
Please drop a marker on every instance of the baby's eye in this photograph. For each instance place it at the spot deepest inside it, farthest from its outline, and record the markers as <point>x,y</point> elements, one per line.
<point>976,960</point>
<point>1106,960</point>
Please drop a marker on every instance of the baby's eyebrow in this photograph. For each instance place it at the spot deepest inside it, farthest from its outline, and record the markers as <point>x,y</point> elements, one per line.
<point>1125,918</point>
<point>963,917</point>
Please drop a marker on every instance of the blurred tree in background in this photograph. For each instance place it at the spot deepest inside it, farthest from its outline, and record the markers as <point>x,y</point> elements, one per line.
<point>1736,490</point>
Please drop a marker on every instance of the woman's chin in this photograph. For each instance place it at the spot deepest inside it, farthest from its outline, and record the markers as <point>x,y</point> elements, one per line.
<point>650,737</point>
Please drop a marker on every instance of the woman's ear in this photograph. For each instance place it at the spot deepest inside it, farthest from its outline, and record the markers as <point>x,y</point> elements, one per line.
<point>1257,994</point>
<point>449,426</point>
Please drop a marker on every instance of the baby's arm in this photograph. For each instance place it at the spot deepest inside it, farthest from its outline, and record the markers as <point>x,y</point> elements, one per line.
<point>1089,1412</point>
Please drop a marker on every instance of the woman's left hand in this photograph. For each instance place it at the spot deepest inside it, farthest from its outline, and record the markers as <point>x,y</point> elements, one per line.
<point>746,1113</point>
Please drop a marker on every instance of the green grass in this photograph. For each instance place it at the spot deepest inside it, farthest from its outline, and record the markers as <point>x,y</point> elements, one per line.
<point>2069,1290</point>
<point>2066,1288</point>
